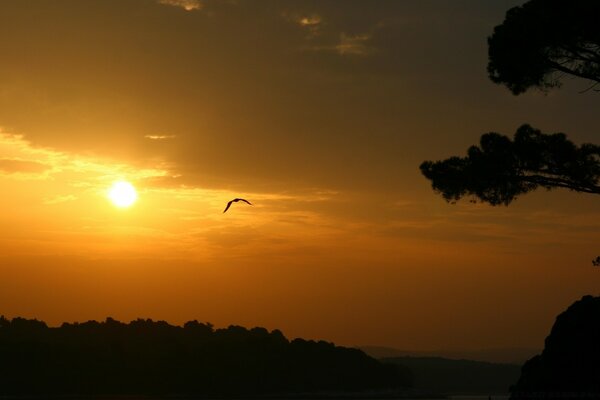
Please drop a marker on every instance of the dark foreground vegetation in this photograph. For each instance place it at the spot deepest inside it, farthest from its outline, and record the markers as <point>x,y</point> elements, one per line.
<point>154,358</point>
<point>569,366</point>
<point>466,377</point>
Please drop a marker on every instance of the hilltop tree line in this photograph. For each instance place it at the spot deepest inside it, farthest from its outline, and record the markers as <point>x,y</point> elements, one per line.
<point>147,357</point>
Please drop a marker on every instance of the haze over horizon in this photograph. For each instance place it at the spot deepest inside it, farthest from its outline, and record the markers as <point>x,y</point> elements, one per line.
<point>319,113</point>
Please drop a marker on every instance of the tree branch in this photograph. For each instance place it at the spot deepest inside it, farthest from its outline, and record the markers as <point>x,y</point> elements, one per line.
<point>559,67</point>
<point>557,182</point>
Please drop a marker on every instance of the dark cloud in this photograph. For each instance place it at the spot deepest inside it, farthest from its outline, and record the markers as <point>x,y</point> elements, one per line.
<point>249,100</point>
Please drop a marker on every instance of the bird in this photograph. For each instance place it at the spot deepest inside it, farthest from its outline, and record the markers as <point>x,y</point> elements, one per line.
<point>235,201</point>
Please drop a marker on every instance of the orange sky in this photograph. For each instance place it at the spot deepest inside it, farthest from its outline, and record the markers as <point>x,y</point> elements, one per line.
<point>319,112</point>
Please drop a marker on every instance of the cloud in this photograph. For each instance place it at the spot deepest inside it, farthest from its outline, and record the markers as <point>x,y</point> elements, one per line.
<point>312,23</point>
<point>347,45</point>
<point>353,44</point>
<point>20,159</point>
<point>160,137</point>
<point>11,166</point>
<point>60,199</point>
<point>187,5</point>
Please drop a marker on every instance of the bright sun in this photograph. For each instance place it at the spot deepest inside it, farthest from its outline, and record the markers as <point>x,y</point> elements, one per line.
<point>122,194</point>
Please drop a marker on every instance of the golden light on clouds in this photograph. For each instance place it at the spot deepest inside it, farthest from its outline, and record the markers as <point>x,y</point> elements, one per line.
<point>61,198</point>
<point>312,20</point>
<point>319,114</point>
<point>70,175</point>
<point>187,5</point>
<point>159,137</point>
<point>312,23</point>
<point>57,212</point>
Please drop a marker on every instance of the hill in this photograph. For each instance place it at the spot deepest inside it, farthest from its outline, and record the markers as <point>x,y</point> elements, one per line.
<point>145,357</point>
<point>512,355</point>
<point>441,375</point>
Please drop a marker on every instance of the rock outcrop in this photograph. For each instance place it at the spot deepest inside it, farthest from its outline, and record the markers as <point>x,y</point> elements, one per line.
<point>569,366</point>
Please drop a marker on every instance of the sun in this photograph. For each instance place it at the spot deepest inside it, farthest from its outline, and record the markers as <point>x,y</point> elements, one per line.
<point>122,194</point>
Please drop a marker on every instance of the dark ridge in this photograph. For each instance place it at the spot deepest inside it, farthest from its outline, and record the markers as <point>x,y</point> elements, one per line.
<point>145,357</point>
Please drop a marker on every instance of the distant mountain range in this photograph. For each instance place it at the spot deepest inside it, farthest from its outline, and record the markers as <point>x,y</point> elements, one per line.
<point>461,377</point>
<point>500,355</point>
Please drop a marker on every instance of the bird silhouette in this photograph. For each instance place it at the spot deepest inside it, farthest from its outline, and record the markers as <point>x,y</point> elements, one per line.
<point>235,201</point>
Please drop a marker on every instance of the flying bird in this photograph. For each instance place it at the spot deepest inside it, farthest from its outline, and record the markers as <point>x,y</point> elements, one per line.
<point>235,201</point>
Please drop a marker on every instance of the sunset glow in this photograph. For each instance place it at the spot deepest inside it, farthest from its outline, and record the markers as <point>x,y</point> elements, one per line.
<point>122,194</point>
<point>127,126</point>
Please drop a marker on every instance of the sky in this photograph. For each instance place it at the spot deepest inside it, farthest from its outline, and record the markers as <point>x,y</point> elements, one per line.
<point>319,113</point>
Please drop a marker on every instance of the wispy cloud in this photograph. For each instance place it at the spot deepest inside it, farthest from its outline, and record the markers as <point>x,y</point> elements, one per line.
<point>347,45</point>
<point>188,5</point>
<point>356,45</point>
<point>19,159</point>
<point>312,23</point>
<point>67,208</point>
<point>160,137</point>
<point>312,20</point>
<point>60,199</point>
<point>12,166</point>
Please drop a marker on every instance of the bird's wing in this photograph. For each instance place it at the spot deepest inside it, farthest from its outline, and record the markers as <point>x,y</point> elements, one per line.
<point>246,201</point>
<point>228,205</point>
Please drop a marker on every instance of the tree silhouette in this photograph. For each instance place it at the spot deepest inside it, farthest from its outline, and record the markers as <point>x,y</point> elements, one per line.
<point>543,40</point>
<point>500,169</point>
<point>537,44</point>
